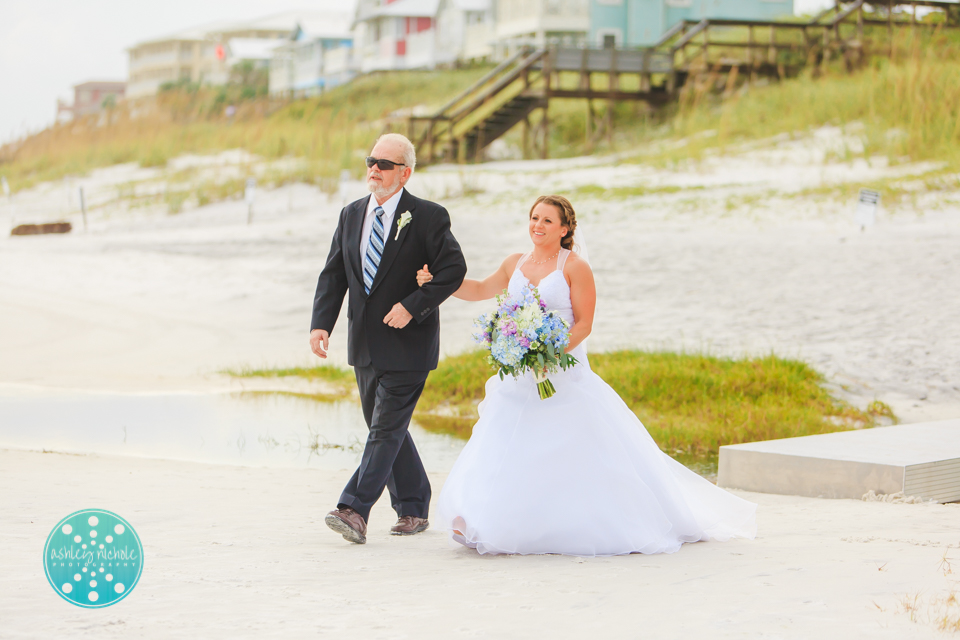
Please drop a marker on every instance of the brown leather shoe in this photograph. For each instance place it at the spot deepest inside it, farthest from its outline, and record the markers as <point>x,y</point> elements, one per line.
<point>409,525</point>
<point>349,524</point>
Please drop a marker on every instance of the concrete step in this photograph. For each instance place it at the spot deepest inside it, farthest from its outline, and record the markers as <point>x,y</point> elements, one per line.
<point>918,459</point>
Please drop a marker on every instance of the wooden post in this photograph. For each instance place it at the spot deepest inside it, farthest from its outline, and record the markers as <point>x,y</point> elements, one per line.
<point>614,87</point>
<point>750,59</point>
<point>826,48</point>
<point>526,137</point>
<point>772,51</point>
<point>589,136</point>
<point>584,71</point>
<point>478,152</point>
<point>614,79</point>
<point>890,25</point>
<point>645,72</point>
<point>83,210</point>
<point>706,46</point>
<point>545,131</point>
<point>836,33</point>
<point>731,81</point>
<point>672,78</point>
<point>545,119</point>
<point>860,36</point>
<point>430,153</point>
<point>609,122</point>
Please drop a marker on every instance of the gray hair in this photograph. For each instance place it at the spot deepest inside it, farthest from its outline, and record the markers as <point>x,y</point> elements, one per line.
<point>409,153</point>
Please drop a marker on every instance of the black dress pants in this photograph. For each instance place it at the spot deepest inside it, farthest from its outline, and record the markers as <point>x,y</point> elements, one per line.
<point>390,458</point>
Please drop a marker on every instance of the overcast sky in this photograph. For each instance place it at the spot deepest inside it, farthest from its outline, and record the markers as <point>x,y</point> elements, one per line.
<point>47,46</point>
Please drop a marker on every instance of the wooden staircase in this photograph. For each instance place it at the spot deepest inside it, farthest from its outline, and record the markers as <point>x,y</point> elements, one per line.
<point>699,51</point>
<point>508,115</point>
<point>461,129</point>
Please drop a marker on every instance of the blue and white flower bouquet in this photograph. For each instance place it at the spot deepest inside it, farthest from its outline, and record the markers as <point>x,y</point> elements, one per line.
<point>523,336</point>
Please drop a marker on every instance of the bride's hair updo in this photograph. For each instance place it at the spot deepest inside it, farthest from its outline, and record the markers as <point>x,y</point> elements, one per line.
<point>568,217</point>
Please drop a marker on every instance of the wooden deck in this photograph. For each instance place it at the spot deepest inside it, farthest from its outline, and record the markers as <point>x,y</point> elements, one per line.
<point>723,52</point>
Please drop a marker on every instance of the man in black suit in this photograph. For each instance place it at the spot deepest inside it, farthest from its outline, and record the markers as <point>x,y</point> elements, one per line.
<point>393,334</point>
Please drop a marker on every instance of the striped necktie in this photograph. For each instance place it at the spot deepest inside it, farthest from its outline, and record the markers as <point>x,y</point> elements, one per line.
<point>374,251</point>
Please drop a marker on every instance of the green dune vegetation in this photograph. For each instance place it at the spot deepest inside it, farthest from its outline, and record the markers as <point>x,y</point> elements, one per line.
<point>690,403</point>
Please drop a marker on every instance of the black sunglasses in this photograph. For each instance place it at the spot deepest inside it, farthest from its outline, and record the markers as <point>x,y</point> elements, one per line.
<point>383,165</point>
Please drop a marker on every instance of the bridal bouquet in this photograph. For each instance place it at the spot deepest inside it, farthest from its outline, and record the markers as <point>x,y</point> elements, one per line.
<point>523,336</point>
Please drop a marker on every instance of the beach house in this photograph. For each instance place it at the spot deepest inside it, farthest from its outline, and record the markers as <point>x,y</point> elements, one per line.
<point>540,23</point>
<point>317,55</point>
<point>639,23</point>
<point>204,54</point>
<point>91,97</point>
<point>421,34</point>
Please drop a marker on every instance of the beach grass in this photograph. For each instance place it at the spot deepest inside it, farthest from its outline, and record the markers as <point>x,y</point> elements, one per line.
<point>325,372</point>
<point>690,403</point>
<point>330,132</point>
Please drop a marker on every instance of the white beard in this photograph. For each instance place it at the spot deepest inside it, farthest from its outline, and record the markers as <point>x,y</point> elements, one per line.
<point>382,190</point>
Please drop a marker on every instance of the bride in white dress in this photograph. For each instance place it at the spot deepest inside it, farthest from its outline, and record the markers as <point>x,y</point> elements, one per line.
<point>577,473</point>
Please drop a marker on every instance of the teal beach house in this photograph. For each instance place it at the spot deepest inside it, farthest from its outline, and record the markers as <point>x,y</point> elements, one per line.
<point>640,23</point>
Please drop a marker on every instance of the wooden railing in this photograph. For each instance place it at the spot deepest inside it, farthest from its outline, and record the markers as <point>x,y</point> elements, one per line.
<point>688,48</point>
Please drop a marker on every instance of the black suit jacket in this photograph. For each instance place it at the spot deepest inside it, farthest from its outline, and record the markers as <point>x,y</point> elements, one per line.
<point>426,239</point>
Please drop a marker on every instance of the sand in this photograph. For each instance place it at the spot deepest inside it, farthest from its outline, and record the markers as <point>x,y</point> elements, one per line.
<point>232,552</point>
<point>740,261</point>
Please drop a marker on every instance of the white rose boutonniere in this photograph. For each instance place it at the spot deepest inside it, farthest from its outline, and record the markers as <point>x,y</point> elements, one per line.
<point>405,219</point>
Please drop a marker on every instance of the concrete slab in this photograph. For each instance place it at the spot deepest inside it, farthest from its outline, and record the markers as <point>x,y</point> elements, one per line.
<point>919,459</point>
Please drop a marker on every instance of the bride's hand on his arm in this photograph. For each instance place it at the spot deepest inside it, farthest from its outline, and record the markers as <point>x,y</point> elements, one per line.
<point>478,289</point>
<point>424,276</point>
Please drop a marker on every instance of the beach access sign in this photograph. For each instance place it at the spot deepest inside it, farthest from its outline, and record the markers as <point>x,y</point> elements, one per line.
<point>867,205</point>
<point>93,558</point>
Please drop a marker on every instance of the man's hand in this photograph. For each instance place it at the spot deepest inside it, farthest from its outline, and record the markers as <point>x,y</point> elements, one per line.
<point>320,342</point>
<point>398,317</point>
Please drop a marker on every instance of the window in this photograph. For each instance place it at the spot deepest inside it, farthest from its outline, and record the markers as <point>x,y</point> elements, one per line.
<point>609,38</point>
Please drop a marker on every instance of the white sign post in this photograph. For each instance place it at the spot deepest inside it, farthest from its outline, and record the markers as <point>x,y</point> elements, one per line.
<point>344,187</point>
<point>867,205</point>
<point>6,192</point>
<point>249,193</point>
<point>83,209</point>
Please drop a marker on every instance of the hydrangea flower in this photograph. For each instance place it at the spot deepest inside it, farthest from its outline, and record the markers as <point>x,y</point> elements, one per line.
<point>523,336</point>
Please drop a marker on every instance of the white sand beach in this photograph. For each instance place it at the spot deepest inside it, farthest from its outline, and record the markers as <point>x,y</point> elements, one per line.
<point>235,552</point>
<point>751,255</point>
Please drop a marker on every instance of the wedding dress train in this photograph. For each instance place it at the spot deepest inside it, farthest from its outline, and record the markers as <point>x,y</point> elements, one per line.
<point>575,474</point>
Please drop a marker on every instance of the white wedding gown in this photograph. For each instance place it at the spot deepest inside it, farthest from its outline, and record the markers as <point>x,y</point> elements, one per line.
<point>577,473</point>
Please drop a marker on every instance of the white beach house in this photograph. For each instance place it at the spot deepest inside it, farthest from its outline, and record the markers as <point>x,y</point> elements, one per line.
<point>205,54</point>
<point>316,56</point>
<point>540,23</point>
<point>421,34</point>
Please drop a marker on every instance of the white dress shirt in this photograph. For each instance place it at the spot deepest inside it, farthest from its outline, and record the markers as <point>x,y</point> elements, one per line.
<point>389,210</point>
